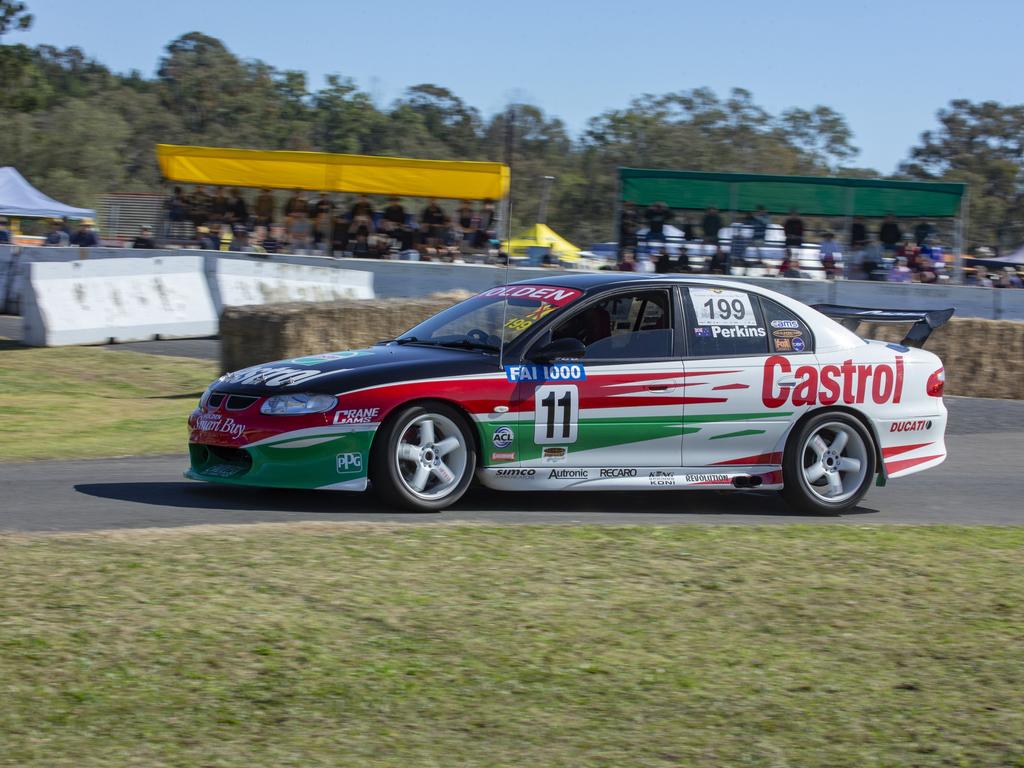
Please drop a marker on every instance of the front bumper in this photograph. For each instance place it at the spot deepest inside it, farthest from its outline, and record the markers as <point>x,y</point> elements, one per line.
<point>336,461</point>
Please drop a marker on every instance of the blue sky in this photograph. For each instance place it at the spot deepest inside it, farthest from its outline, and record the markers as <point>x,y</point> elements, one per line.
<point>887,66</point>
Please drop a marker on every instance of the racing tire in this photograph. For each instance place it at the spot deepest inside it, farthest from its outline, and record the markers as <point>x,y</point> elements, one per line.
<point>828,464</point>
<point>425,458</point>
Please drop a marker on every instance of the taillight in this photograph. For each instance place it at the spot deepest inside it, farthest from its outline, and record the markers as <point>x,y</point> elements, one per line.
<point>936,383</point>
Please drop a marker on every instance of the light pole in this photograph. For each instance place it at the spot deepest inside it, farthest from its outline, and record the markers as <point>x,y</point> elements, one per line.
<point>542,213</point>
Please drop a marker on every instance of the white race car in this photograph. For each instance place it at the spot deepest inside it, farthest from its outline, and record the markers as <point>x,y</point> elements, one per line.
<point>599,381</point>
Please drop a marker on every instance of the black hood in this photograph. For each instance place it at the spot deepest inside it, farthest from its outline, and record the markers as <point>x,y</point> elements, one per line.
<point>335,372</point>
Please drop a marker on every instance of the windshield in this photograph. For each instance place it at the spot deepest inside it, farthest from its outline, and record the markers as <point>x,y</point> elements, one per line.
<point>477,323</point>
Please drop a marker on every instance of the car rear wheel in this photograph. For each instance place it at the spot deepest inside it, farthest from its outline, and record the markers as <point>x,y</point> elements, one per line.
<point>425,458</point>
<point>828,464</point>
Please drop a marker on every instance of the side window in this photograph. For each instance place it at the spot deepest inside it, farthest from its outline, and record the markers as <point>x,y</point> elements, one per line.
<point>722,322</point>
<point>626,326</point>
<point>786,332</point>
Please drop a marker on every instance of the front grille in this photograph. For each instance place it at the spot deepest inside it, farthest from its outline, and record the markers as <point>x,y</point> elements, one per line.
<point>240,402</point>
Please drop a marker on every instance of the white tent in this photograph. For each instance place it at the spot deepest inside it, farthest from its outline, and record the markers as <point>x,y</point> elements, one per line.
<point>19,198</point>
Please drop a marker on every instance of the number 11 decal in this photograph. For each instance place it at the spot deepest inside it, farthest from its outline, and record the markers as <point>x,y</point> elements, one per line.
<point>557,409</point>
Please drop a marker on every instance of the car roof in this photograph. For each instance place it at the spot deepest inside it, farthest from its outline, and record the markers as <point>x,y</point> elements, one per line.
<point>829,335</point>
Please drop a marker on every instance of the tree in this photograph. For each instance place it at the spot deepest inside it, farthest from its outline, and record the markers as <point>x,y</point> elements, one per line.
<point>982,144</point>
<point>13,15</point>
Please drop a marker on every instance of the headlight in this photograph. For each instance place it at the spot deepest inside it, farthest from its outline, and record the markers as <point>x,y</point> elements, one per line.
<point>294,405</point>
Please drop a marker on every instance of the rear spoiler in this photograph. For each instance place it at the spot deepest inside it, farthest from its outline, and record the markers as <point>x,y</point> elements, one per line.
<point>924,320</point>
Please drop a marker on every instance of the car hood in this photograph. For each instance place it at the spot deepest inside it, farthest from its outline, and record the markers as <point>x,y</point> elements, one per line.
<point>336,372</point>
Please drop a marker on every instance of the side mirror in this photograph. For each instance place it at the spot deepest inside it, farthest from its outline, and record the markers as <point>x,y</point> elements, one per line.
<point>560,349</point>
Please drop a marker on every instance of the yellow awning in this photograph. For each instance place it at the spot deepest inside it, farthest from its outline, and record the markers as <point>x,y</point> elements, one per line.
<point>317,171</point>
<point>543,236</point>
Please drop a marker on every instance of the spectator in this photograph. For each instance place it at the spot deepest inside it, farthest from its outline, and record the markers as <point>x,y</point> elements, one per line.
<point>300,232</point>
<point>739,241</point>
<point>432,220</point>
<point>829,249</point>
<point>145,238</point>
<point>57,236</point>
<point>858,234</point>
<point>5,233</point>
<point>206,240</point>
<point>794,230</point>
<point>177,206</point>
<point>199,206</point>
<point>789,266</point>
<point>663,263</point>
<point>238,211</point>
<point>264,208</point>
<point>910,253</point>
<point>657,216</point>
<point>873,262</point>
<point>710,226</point>
<point>361,216</point>
<point>687,228</point>
<point>86,236</point>
<point>1008,279</point>
<point>219,206</point>
<point>626,263</point>
<point>486,222</point>
<point>761,223</point>
<point>900,273</point>
<point>295,204</point>
<point>271,241</point>
<point>889,234</point>
<point>923,233</point>
<point>392,220</point>
<point>239,239</point>
<point>322,212</point>
<point>465,218</point>
<point>629,223</point>
<point>719,262</point>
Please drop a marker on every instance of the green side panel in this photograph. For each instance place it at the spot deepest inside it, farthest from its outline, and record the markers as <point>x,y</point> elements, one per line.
<point>342,458</point>
<point>810,195</point>
<point>741,433</point>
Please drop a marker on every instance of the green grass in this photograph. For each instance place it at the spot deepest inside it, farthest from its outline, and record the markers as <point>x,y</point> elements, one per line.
<point>363,645</point>
<point>80,402</point>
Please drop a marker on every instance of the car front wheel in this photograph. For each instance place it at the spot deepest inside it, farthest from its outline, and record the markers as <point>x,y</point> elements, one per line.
<point>424,460</point>
<point>828,464</point>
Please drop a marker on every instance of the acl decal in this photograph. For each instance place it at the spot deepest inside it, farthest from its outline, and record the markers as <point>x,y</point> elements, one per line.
<point>848,383</point>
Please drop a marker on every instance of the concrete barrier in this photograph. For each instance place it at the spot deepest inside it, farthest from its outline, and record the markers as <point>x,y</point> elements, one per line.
<point>983,358</point>
<point>96,301</point>
<point>243,281</point>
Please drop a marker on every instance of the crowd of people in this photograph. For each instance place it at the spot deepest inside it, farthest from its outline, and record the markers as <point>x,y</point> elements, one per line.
<point>321,225</point>
<point>888,254</point>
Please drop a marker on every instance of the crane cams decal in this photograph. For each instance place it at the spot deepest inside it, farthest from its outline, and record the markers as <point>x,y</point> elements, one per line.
<point>274,377</point>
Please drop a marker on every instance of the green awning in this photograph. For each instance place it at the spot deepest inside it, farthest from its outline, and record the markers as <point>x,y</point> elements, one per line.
<point>809,195</point>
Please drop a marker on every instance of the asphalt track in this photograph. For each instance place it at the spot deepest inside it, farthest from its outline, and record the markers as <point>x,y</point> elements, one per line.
<point>981,482</point>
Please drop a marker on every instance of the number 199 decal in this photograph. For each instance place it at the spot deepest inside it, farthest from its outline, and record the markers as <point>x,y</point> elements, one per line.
<point>557,408</point>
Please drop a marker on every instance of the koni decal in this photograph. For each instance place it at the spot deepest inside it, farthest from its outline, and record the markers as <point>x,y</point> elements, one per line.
<point>848,383</point>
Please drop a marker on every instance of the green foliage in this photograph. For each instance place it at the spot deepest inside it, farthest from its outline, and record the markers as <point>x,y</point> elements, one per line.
<point>980,143</point>
<point>76,130</point>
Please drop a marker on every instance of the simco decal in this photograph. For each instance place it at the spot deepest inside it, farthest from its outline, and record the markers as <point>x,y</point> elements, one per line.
<point>618,472</point>
<point>273,377</point>
<point>715,306</point>
<point>547,293</point>
<point>849,383</point>
<point>503,437</point>
<point>356,415</point>
<point>568,474</point>
<point>785,324</point>
<point>910,426</point>
<point>215,422</point>
<point>349,462</point>
<point>516,472</point>
<point>661,478</point>
<point>558,409</point>
<point>559,372</point>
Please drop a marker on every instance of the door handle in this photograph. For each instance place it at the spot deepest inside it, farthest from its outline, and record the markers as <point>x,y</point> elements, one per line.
<point>660,388</point>
<point>787,383</point>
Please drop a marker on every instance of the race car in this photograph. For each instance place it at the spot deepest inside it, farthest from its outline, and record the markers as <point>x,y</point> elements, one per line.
<point>601,381</point>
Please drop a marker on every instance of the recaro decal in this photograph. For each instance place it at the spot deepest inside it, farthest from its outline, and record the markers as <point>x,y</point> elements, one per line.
<point>850,383</point>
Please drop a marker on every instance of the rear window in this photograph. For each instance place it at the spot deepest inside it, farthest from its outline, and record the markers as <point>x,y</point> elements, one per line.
<point>721,322</point>
<point>786,331</point>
